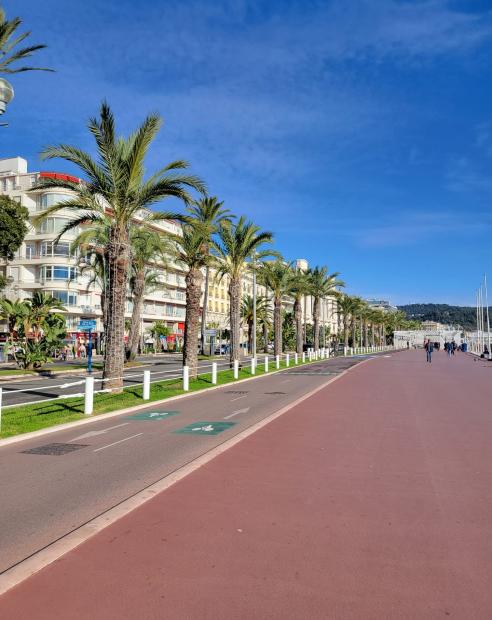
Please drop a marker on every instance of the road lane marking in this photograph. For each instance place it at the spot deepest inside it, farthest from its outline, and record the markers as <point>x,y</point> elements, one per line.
<point>286,381</point>
<point>116,442</point>
<point>94,433</point>
<point>237,413</point>
<point>238,398</point>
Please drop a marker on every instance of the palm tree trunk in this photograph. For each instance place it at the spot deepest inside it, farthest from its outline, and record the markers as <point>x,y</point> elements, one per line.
<point>265,337</point>
<point>204,311</point>
<point>345,331</point>
<point>354,332</point>
<point>234,318</point>
<point>277,325</point>
<point>134,333</point>
<point>316,323</point>
<point>298,319</point>
<point>114,354</point>
<point>366,333</point>
<point>194,279</point>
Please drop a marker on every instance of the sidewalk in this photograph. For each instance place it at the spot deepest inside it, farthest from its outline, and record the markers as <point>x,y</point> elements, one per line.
<point>370,500</point>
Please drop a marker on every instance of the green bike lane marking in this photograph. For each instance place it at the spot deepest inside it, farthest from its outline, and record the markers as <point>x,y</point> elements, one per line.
<point>205,428</point>
<point>153,415</point>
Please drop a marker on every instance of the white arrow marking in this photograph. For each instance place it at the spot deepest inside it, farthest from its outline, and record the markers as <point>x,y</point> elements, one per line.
<point>66,385</point>
<point>207,428</point>
<point>237,413</point>
<point>157,413</point>
<point>94,433</point>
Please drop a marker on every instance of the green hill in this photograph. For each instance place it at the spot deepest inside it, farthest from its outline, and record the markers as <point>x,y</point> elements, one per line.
<point>442,313</point>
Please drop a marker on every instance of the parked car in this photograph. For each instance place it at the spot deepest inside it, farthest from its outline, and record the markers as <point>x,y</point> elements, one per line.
<point>222,349</point>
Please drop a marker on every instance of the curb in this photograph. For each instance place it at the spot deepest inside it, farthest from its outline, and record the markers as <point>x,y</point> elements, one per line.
<point>112,414</point>
<point>52,552</point>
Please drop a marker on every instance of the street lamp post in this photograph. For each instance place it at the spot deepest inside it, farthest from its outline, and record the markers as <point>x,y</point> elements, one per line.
<point>254,305</point>
<point>6,96</point>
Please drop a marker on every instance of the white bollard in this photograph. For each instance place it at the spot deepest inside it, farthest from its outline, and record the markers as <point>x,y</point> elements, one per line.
<point>0,409</point>
<point>186,378</point>
<point>89,396</point>
<point>303,357</point>
<point>277,362</point>
<point>296,359</point>
<point>345,350</point>
<point>146,385</point>
<point>287,359</point>
<point>252,365</point>
<point>266,363</point>
<point>236,369</point>
<point>214,373</point>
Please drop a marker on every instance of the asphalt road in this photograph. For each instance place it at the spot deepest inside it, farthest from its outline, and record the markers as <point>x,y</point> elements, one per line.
<point>46,387</point>
<point>44,496</point>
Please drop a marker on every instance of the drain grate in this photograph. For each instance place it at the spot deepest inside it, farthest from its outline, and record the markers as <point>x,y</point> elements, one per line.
<point>235,392</point>
<point>274,393</point>
<point>56,449</point>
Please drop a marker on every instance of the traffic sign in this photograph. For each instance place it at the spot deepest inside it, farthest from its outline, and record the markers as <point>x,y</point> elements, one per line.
<point>211,332</point>
<point>152,415</point>
<point>86,325</point>
<point>205,428</point>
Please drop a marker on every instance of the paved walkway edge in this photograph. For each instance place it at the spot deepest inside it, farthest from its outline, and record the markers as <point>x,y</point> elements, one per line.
<point>42,558</point>
<point>145,405</point>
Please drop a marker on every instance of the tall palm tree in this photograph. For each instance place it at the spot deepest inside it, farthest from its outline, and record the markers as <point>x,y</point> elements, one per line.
<point>190,251</point>
<point>276,276</point>
<point>9,40</point>
<point>298,289</point>
<point>211,213</point>
<point>113,194</point>
<point>322,284</point>
<point>345,308</point>
<point>149,249</point>
<point>247,314</point>
<point>234,247</point>
<point>355,313</point>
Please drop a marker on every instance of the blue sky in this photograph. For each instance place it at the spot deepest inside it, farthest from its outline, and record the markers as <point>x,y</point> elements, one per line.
<point>358,131</point>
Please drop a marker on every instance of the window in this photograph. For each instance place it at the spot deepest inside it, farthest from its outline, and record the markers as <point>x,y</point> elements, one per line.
<point>47,200</point>
<point>48,248</point>
<point>53,224</point>
<point>58,272</point>
<point>67,298</point>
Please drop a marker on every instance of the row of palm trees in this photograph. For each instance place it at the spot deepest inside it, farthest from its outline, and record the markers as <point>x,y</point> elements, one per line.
<point>124,250</point>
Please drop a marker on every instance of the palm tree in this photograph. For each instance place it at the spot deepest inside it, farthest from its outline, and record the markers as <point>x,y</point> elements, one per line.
<point>39,307</point>
<point>276,276</point>
<point>234,247</point>
<point>189,251</point>
<point>9,40</point>
<point>211,213</point>
<point>345,308</point>
<point>322,284</point>
<point>147,246</point>
<point>113,195</point>
<point>247,314</point>
<point>298,289</point>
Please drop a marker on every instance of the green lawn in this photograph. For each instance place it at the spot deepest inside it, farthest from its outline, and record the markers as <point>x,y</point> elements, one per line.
<point>7,372</point>
<point>17,420</point>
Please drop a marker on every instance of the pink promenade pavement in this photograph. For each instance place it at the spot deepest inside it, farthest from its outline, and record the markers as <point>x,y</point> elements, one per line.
<point>372,499</point>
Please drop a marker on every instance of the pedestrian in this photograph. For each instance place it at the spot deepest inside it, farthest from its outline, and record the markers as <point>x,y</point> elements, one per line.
<point>429,347</point>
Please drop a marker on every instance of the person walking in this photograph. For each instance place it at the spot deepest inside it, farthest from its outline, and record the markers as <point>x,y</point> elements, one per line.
<point>429,347</point>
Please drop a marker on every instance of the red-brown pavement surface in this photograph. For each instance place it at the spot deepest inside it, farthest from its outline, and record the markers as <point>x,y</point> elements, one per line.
<point>372,499</point>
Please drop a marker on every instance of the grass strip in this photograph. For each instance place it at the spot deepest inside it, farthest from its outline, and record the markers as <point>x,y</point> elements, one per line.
<point>24,419</point>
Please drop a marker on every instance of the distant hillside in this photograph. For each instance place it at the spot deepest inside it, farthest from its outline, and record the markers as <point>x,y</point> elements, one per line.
<point>442,313</point>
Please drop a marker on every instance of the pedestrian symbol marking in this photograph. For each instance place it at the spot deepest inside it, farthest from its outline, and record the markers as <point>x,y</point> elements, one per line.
<point>205,428</point>
<point>153,415</point>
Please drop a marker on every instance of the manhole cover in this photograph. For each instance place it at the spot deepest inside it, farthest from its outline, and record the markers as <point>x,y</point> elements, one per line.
<point>235,392</point>
<point>275,393</point>
<point>55,449</point>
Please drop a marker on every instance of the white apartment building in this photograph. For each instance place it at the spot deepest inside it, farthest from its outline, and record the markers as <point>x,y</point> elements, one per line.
<point>40,264</point>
